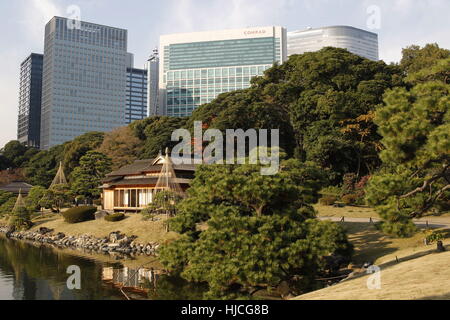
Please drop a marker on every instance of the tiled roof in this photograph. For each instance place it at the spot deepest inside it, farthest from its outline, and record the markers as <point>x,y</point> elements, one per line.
<point>16,186</point>
<point>140,166</point>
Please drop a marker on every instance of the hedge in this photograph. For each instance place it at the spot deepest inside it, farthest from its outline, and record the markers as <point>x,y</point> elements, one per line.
<point>115,217</point>
<point>79,214</point>
<point>327,200</point>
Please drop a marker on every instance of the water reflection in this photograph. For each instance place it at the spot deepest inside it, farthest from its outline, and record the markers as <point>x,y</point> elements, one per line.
<point>38,272</point>
<point>28,272</point>
<point>154,284</point>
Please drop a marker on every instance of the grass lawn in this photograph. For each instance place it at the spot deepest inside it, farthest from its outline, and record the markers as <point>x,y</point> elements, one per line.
<point>133,224</point>
<point>371,245</point>
<point>347,211</point>
<point>426,277</point>
<point>420,273</point>
<point>366,212</point>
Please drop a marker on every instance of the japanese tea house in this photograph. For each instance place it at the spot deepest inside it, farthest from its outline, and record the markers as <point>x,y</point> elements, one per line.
<point>132,187</point>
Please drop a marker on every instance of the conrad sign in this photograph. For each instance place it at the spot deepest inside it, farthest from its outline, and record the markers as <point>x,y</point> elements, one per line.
<point>254,32</point>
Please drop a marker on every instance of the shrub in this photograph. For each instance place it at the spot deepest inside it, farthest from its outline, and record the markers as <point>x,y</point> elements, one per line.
<point>21,219</point>
<point>327,200</point>
<point>80,214</point>
<point>331,191</point>
<point>115,217</point>
<point>349,199</point>
<point>7,207</point>
<point>433,236</point>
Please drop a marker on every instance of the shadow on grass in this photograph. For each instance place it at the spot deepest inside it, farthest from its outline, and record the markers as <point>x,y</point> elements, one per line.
<point>370,244</point>
<point>445,296</point>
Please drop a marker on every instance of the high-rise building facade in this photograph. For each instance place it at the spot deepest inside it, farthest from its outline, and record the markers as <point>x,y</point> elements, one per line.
<point>153,84</point>
<point>357,41</point>
<point>136,108</point>
<point>30,94</point>
<point>84,80</point>
<point>196,67</point>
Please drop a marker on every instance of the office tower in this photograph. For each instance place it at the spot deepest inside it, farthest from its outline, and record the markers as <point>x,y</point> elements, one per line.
<point>84,81</point>
<point>30,94</point>
<point>153,84</point>
<point>196,67</point>
<point>136,107</point>
<point>357,41</point>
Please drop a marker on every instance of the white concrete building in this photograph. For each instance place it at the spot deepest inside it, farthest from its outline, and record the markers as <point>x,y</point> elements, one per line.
<point>357,41</point>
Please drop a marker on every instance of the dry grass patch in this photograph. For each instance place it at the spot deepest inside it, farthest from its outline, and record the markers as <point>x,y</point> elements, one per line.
<point>372,245</point>
<point>347,211</point>
<point>133,224</point>
<point>427,277</point>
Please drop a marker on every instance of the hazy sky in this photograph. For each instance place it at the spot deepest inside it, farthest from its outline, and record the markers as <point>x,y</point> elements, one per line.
<point>402,23</point>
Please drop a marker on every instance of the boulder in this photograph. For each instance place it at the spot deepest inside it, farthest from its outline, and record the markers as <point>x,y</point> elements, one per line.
<point>101,214</point>
<point>44,230</point>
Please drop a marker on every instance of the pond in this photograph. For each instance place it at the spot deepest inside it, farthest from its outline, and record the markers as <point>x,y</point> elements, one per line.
<point>38,272</point>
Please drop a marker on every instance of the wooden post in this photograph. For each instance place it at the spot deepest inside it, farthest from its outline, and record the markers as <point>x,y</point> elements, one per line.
<point>343,219</point>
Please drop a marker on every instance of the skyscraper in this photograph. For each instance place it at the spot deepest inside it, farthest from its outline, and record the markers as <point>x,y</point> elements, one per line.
<point>30,94</point>
<point>136,108</point>
<point>357,41</point>
<point>196,67</point>
<point>153,84</point>
<point>84,80</point>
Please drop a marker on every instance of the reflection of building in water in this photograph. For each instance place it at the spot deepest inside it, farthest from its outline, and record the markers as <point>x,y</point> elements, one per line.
<point>130,278</point>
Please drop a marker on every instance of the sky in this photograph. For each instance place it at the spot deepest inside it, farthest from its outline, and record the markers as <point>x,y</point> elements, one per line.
<point>399,23</point>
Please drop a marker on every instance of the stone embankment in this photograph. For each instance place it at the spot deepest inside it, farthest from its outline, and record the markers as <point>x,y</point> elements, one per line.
<point>115,243</point>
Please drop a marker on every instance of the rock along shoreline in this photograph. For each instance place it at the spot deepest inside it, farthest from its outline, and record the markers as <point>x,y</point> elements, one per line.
<point>116,244</point>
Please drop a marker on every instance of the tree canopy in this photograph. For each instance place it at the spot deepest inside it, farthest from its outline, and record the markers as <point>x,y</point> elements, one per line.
<point>415,180</point>
<point>86,178</point>
<point>259,230</point>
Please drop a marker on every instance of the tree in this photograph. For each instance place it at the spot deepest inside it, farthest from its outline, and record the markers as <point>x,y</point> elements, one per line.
<point>415,58</point>
<point>122,146</point>
<point>5,196</point>
<point>156,132</point>
<point>20,219</point>
<point>34,197</point>
<point>416,136</point>
<point>3,162</point>
<point>42,167</point>
<point>78,147</point>
<point>14,153</point>
<point>243,109</point>
<point>259,230</point>
<point>164,202</point>
<point>322,102</point>
<point>56,197</point>
<point>7,207</point>
<point>86,178</point>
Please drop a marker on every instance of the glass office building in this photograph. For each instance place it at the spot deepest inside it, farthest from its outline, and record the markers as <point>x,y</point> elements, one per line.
<point>136,108</point>
<point>153,84</point>
<point>84,80</point>
<point>357,41</point>
<point>30,94</point>
<point>196,67</point>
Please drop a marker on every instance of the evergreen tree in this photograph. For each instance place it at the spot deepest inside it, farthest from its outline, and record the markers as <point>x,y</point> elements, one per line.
<point>86,178</point>
<point>242,231</point>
